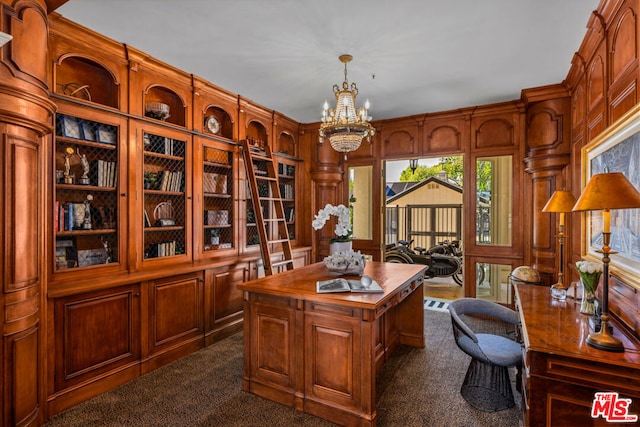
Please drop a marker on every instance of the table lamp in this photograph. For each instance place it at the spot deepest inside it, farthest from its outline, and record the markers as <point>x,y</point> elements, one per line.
<point>606,191</point>
<point>561,202</point>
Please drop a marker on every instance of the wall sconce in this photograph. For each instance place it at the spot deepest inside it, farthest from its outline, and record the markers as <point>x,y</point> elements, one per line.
<point>561,201</point>
<point>5,38</point>
<point>606,191</point>
<point>413,164</point>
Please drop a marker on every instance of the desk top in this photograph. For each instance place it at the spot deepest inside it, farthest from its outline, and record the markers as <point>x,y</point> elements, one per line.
<point>551,326</point>
<point>300,283</point>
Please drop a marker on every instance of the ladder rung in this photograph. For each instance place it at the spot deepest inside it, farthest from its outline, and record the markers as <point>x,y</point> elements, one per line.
<point>279,263</point>
<point>261,157</point>
<point>274,219</point>
<point>264,178</point>
<point>278,241</point>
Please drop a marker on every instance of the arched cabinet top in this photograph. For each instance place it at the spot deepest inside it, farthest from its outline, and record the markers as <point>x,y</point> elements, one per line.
<point>80,76</point>
<point>176,107</point>
<point>218,121</point>
<point>287,143</point>
<point>257,131</point>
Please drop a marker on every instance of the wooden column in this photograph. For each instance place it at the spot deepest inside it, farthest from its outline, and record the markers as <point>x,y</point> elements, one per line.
<point>548,155</point>
<point>25,120</point>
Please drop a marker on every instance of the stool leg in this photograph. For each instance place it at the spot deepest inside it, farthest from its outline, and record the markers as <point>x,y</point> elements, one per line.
<point>487,387</point>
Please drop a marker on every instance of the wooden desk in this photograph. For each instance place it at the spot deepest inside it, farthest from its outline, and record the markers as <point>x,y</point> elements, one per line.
<point>561,372</point>
<point>319,353</point>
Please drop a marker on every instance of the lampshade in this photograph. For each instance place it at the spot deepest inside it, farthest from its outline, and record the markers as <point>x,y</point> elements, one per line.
<point>608,191</point>
<point>5,38</point>
<point>560,201</point>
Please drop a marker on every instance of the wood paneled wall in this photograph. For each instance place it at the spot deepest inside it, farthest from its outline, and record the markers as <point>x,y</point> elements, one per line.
<point>544,131</point>
<point>603,82</point>
<point>25,121</point>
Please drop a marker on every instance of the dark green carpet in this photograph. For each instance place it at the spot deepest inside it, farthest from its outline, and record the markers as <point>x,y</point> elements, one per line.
<point>415,388</point>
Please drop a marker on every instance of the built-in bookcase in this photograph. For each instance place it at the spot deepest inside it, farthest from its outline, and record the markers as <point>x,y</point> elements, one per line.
<point>85,211</point>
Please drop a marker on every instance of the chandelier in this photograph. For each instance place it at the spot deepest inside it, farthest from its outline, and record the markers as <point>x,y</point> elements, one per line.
<point>343,126</point>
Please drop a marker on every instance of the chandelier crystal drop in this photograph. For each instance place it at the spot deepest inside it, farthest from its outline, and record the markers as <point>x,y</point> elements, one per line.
<point>344,126</point>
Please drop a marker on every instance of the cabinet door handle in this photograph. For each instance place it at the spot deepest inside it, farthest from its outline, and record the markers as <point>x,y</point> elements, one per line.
<point>137,294</point>
<point>123,194</point>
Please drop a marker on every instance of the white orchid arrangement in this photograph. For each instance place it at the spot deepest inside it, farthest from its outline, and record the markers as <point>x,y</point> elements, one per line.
<point>590,273</point>
<point>343,227</point>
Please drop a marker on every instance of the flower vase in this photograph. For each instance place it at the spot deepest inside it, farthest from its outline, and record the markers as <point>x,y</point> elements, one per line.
<point>339,247</point>
<point>587,306</point>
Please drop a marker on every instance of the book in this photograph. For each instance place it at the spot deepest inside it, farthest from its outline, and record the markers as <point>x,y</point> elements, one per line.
<point>365,284</point>
<point>147,222</point>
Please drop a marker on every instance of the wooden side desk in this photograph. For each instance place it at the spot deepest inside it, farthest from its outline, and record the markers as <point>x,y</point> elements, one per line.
<point>561,372</point>
<point>319,353</point>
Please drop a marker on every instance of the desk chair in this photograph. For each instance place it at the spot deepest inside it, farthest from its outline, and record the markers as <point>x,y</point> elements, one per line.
<point>486,385</point>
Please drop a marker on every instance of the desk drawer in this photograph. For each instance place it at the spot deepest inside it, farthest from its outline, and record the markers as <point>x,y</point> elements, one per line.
<point>585,372</point>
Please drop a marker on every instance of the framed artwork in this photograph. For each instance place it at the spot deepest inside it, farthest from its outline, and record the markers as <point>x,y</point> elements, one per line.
<point>71,127</point>
<point>88,130</point>
<point>617,149</point>
<point>107,134</point>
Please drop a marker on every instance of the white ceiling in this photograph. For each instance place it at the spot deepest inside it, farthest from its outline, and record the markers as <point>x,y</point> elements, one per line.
<point>410,56</point>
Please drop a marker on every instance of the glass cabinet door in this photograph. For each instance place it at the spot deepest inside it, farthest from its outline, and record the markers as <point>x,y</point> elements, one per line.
<point>287,180</point>
<point>217,199</point>
<point>164,205</point>
<point>85,216</point>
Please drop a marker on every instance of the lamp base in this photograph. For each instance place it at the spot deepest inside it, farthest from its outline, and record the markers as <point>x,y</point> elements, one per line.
<point>559,291</point>
<point>604,340</point>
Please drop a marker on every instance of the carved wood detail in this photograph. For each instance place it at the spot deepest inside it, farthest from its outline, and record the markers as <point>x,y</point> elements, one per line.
<point>624,44</point>
<point>595,82</point>
<point>27,52</point>
<point>399,143</point>
<point>578,106</point>
<point>494,132</point>
<point>545,130</point>
<point>443,138</point>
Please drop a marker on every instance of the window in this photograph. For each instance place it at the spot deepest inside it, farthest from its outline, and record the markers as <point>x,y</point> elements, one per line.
<point>360,201</point>
<point>494,187</point>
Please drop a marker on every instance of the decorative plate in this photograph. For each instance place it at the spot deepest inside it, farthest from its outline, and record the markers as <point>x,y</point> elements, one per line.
<point>212,123</point>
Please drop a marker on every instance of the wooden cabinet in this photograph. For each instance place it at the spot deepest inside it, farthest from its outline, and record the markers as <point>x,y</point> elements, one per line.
<point>166,203</point>
<point>223,300</point>
<point>89,191</point>
<point>215,198</point>
<point>97,343</point>
<point>287,177</point>
<point>147,269</point>
<point>561,373</point>
<point>175,318</point>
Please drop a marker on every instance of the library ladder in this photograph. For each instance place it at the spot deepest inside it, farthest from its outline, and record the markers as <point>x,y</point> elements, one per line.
<point>267,207</point>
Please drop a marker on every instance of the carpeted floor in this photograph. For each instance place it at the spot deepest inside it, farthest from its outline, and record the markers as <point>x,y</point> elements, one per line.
<point>416,387</point>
